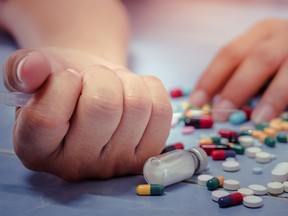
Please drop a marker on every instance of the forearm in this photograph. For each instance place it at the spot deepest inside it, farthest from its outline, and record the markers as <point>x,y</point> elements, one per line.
<point>94,26</point>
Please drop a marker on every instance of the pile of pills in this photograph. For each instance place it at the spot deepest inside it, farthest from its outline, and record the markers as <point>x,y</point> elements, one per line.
<point>226,146</point>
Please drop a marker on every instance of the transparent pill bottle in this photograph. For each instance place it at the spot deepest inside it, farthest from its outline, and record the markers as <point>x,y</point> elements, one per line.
<point>174,166</point>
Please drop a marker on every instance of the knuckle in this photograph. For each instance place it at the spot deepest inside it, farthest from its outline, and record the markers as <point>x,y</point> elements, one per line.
<point>230,53</point>
<point>137,104</point>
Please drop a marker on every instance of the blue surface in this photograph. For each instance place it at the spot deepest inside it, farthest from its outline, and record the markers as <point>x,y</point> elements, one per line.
<point>23,192</point>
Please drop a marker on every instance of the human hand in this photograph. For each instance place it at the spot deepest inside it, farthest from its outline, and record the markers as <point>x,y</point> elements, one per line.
<point>87,118</point>
<point>242,67</point>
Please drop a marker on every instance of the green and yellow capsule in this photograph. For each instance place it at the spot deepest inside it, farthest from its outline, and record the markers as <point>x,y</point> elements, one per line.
<point>150,190</point>
<point>215,183</point>
<point>239,149</point>
<point>210,140</point>
<point>262,125</point>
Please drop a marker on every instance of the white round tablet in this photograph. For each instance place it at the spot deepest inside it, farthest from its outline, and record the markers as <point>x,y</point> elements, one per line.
<point>230,166</point>
<point>245,191</point>
<point>252,201</point>
<point>246,141</point>
<point>252,151</point>
<point>202,179</point>
<point>230,159</point>
<point>275,187</point>
<point>258,189</point>
<point>231,184</point>
<point>285,185</point>
<point>263,157</point>
<point>217,194</point>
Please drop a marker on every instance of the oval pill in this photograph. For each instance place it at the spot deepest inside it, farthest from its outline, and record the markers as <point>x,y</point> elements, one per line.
<point>217,194</point>
<point>263,157</point>
<point>258,189</point>
<point>238,117</point>
<point>230,166</point>
<point>202,179</point>
<point>246,141</point>
<point>275,188</point>
<point>231,184</point>
<point>252,201</point>
<point>245,191</point>
<point>150,190</point>
<point>188,130</point>
<point>252,151</point>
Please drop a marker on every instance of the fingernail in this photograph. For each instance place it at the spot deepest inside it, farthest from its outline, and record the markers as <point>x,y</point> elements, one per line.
<point>264,112</point>
<point>199,98</point>
<point>220,110</point>
<point>19,68</point>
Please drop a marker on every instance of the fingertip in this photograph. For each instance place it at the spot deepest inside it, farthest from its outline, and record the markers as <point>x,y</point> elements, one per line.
<point>264,112</point>
<point>199,98</point>
<point>26,70</point>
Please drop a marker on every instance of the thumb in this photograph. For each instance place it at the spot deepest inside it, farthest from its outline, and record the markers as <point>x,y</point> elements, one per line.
<point>26,70</point>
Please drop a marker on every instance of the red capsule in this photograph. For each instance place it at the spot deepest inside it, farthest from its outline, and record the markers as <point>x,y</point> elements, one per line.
<point>204,121</point>
<point>222,154</point>
<point>176,93</point>
<point>248,111</point>
<point>172,147</point>
<point>230,200</point>
<point>208,148</point>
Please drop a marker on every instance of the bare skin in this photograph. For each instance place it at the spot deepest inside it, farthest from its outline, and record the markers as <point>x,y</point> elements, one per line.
<point>90,117</point>
<point>242,67</point>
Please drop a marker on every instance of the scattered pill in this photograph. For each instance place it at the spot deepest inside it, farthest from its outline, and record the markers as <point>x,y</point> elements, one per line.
<point>238,117</point>
<point>246,132</point>
<point>210,140</point>
<point>285,186</point>
<point>215,182</point>
<point>275,188</point>
<point>257,170</point>
<point>224,141</point>
<point>245,191</point>
<point>150,190</point>
<point>209,148</point>
<point>227,133</point>
<point>188,130</point>
<point>230,159</point>
<point>252,201</point>
<point>246,141</point>
<point>252,151</point>
<point>217,194</point>
<point>276,124</point>
<point>284,116</point>
<point>280,172</point>
<point>230,166</point>
<point>237,148</point>
<point>222,154</point>
<point>202,179</point>
<point>282,138</point>
<point>271,132</point>
<point>258,189</point>
<point>269,141</point>
<point>263,157</point>
<point>230,200</point>
<point>262,125</point>
<point>172,147</point>
<point>231,184</point>
<point>205,121</point>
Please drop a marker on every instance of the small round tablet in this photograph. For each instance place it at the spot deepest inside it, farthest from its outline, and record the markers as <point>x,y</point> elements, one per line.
<point>275,188</point>
<point>230,166</point>
<point>252,201</point>
<point>258,189</point>
<point>245,191</point>
<point>263,157</point>
<point>217,194</point>
<point>285,185</point>
<point>202,179</point>
<point>257,170</point>
<point>252,151</point>
<point>246,141</point>
<point>231,184</point>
